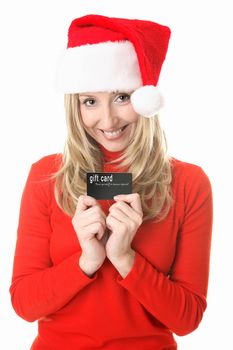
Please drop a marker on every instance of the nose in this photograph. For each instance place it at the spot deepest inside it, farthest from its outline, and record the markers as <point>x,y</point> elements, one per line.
<point>109,118</point>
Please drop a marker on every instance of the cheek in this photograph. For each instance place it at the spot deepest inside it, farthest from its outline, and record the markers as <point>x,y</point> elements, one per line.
<point>88,124</point>
<point>133,119</point>
<point>132,116</point>
<point>88,119</point>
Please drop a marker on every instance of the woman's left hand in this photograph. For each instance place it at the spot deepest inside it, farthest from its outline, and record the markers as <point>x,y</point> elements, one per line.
<point>124,219</point>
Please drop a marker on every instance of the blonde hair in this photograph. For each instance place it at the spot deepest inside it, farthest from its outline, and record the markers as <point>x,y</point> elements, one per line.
<point>145,157</point>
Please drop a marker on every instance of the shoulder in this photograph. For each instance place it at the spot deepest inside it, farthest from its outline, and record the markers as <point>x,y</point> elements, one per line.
<point>193,193</point>
<point>42,170</point>
<point>47,164</point>
<point>189,176</point>
<point>38,186</point>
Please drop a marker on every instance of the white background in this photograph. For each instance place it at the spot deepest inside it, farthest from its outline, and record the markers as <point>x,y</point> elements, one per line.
<point>196,80</point>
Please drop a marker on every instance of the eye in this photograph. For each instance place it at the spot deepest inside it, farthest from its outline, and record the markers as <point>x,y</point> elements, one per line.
<point>124,97</point>
<point>88,100</point>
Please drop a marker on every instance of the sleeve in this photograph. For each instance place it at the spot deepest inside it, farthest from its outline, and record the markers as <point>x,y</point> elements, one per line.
<point>38,288</point>
<point>179,300</point>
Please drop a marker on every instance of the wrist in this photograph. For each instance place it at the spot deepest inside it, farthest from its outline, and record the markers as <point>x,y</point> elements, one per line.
<point>124,263</point>
<point>88,267</point>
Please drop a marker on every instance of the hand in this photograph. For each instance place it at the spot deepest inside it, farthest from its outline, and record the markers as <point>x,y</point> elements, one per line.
<point>89,224</point>
<point>123,222</point>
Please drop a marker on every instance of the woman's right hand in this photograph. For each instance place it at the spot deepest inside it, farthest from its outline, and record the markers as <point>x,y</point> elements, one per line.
<point>89,222</point>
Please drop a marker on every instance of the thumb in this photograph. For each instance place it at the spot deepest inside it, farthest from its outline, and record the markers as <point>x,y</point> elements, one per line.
<point>84,202</point>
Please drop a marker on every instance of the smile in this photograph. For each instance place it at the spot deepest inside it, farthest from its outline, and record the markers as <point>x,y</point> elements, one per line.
<point>115,134</point>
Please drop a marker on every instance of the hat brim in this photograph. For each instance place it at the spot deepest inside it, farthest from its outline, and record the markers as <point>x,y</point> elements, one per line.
<point>108,66</point>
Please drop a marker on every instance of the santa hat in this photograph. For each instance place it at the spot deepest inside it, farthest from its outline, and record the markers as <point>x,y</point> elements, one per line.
<point>115,54</point>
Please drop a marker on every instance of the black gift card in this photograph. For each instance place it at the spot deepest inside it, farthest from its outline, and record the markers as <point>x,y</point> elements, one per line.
<point>108,185</point>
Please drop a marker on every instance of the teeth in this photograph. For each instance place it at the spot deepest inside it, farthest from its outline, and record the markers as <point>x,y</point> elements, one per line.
<point>114,133</point>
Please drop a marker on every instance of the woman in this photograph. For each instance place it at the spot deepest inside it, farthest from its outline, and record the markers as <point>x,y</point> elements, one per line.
<point>124,273</point>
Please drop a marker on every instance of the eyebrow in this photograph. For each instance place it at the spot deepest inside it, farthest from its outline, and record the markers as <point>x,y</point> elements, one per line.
<point>112,93</point>
<point>86,95</point>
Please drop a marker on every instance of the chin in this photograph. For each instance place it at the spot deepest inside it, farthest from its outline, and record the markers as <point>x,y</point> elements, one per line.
<point>114,148</point>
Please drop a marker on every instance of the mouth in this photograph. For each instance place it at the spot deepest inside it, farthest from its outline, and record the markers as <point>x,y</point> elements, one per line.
<point>121,129</point>
<point>115,134</point>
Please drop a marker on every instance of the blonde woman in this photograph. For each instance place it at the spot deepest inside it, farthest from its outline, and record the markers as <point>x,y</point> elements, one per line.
<point>128,272</point>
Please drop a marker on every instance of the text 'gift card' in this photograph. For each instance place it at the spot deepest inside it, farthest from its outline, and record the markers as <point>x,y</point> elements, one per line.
<point>108,185</point>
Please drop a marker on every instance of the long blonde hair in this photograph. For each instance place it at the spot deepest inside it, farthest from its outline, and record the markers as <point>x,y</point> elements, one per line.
<point>145,157</point>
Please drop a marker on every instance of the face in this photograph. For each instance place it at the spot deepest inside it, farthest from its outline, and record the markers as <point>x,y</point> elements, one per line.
<point>109,118</point>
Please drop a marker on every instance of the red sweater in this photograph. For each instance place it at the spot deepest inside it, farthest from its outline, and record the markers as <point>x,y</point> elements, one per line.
<point>164,292</point>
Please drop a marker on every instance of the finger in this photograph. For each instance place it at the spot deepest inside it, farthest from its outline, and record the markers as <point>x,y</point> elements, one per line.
<point>95,229</point>
<point>101,230</point>
<point>84,202</point>
<point>119,215</point>
<point>124,207</point>
<point>133,199</point>
<point>90,216</point>
<point>89,219</point>
<point>109,222</point>
<point>127,210</point>
<point>103,239</point>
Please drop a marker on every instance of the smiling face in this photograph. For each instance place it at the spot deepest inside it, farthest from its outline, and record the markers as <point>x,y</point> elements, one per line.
<point>109,118</point>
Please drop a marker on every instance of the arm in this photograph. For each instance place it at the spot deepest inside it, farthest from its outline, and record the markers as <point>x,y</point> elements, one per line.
<point>38,288</point>
<point>179,300</point>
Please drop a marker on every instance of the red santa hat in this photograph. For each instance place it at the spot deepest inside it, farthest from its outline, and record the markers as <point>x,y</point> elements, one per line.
<point>115,54</point>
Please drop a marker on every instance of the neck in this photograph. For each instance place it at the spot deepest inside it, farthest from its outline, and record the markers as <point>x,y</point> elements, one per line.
<point>109,155</point>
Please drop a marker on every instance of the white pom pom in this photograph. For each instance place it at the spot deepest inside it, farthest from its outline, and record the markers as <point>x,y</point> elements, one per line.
<point>147,100</point>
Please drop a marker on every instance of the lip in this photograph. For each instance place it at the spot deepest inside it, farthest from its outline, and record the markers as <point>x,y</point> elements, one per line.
<point>114,129</point>
<point>114,138</point>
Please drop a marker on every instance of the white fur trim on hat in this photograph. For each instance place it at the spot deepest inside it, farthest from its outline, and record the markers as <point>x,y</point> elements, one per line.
<point>107,66</point>
<point>147,100</point>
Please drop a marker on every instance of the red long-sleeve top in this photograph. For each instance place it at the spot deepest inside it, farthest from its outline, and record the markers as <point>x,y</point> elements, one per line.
<point>164,292</point>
